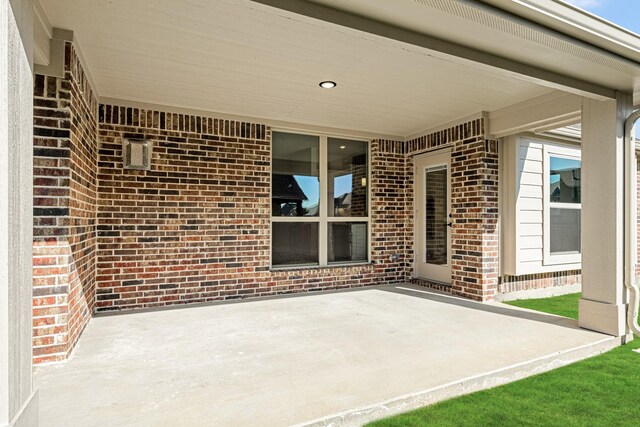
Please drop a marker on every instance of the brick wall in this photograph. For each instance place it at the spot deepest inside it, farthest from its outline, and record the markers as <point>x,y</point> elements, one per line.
<point>82,198</point>
<point>528,282</point>
<point>474,207</point>
<point>196,227</point>
<point>358,191</point>
<point>64,209</point>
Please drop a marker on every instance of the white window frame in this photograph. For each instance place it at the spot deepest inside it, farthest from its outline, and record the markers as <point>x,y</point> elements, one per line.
<point>323,219</point>
<point>565,153</point>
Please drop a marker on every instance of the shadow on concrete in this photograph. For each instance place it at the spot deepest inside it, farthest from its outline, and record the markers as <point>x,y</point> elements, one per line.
<point>495,308</point>
<point>415,291</point>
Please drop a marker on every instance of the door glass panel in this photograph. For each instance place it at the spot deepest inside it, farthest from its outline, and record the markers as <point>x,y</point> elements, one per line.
<point>436,215</point>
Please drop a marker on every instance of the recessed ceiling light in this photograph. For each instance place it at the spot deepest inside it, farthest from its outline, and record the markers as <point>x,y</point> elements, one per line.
<point>328,84</point>
<point>342,147</point>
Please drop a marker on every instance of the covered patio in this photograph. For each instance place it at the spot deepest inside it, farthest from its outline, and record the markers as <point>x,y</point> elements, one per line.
<point>164,163</point>
<point>339,358</point>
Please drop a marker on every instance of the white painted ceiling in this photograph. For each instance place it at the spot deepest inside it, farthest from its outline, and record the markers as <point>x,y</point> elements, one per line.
<point>241,58</point>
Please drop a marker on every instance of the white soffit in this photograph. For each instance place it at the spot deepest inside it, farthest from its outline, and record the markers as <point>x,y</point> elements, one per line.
<point>594,51</point>
<point>571,20</point>
<point>242,58</point>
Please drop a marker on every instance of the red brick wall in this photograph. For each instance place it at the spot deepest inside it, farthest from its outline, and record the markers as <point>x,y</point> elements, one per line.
<point>64,209</point>
<point>82,197</point>
<point>539,281</point>
<point>196,227</point>
<point>50,211</point>
<point>474,206</point>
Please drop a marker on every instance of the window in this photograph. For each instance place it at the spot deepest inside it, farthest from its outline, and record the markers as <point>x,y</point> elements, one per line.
<point>319,200</point>
<point>562,205</point>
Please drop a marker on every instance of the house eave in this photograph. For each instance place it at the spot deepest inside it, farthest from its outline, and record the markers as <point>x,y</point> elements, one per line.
<point>538,34</point>
<point>575,22</point>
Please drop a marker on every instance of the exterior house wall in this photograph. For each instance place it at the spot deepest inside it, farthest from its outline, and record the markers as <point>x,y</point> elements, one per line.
<point>526,282</point>
<point>523,261</point>
<point>474,206</point>
<point>65,156</point>
<point>196,227</point>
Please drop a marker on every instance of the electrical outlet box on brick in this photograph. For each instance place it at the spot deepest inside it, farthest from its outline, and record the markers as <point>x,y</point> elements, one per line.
<point>137,154</point>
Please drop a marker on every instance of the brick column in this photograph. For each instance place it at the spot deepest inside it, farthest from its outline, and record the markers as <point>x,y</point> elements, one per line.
<point>64,198</point>
<point>474,205</point>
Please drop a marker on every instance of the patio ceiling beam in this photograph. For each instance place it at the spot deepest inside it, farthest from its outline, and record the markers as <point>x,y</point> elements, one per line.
<point>42,35</point>
<point>467,55</point>
<point>540,114</point>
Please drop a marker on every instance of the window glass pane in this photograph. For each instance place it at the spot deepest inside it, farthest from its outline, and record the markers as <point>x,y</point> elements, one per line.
<point>436,215</point>
<point>347,178</point>
<point>564,180</point>
<point>294,243</point>
<point>347,241</point>
<point>295,184</point>
<point>565,231</point>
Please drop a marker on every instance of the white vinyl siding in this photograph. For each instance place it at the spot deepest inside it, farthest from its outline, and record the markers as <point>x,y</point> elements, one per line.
<point>524,206</point>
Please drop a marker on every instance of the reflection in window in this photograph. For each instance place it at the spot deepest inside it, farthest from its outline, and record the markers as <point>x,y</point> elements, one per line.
<point>436,215</point>
<point>347,241</point>
<point>299,227</point>
<point>564,208</point>
<point>347,183</point>
<point>564,180</point>
<point>565,231</point>
<point>294,243</point>
<point>295,184</point>
<point>289,198</point>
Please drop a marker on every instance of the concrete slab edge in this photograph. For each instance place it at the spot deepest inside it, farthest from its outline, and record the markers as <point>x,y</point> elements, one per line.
<point>401,404</point>
<point>552,291</point>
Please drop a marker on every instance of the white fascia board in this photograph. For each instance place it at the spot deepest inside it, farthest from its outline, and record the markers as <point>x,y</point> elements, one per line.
<point>571,20</point>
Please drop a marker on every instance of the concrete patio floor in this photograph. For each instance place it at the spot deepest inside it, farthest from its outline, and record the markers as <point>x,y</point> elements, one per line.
<point>333,358</point>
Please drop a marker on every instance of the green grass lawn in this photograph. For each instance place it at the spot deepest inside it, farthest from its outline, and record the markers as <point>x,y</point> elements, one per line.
<point>564,305</point>
<point>601,391</point>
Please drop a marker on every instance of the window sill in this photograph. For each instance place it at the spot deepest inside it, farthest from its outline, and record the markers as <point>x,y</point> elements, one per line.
<point>318,267</point>
<point>559,260</point>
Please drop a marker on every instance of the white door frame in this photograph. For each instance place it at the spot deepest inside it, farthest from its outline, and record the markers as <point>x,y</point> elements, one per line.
<point>423,270</point>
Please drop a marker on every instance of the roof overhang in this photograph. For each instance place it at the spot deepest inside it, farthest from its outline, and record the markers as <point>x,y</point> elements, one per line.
<point>401,67</point>
<point>547,40</point>
<point>572,21</point>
